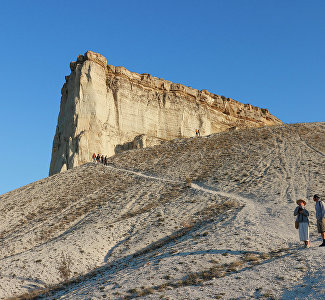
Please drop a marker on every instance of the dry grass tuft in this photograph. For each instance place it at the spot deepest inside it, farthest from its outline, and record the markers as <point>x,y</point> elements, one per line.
<point>251,258</point>
<point>188,181</point>
<point>188,223</point>
<point>235,265</point>
<point>64,267</point>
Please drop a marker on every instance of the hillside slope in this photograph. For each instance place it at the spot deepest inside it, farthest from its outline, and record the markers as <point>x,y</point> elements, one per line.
<point>198,218</point>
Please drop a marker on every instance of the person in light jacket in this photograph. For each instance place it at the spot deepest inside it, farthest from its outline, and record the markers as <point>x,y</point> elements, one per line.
<point>302,218</point>
<point>320,216</point>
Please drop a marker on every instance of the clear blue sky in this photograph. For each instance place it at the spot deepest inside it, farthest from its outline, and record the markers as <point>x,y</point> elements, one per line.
<point>269,53</point>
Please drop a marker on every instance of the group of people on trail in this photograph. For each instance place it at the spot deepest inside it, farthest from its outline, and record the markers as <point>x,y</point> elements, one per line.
<point>197,132</point>
<point>302,219</point>
<point>100,159</point>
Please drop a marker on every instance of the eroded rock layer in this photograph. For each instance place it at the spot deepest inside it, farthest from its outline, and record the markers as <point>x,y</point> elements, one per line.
<point>107,109</point>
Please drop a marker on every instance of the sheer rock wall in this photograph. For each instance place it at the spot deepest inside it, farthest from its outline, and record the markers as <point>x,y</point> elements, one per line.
<point>106,109</point>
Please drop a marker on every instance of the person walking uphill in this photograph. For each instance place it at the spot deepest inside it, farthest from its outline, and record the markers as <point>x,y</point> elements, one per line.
<point>302,218</point>
<point>320,216</point>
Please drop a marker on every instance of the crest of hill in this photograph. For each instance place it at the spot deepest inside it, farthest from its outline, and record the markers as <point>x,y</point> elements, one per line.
<point>235,159</point>
<point>184,196</point>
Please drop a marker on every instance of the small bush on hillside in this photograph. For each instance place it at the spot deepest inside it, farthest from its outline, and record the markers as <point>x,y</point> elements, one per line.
<point>235,265</point>
<point>188,182</point>
<point>187,223</point>
<point>251,258</point>
<point>64,267</point>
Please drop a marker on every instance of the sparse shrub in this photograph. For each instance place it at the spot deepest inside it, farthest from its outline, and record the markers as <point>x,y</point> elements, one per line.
<point>187,224</point>
<point>251,258</point>
<point>264,255</point>
<point>235,265</point>
<point>269,295</point>
<point>188,181</point>
<point>191,279</point>
<point>147,291</point>
<point>64,266</point>
<point>133,291</point>
<point>206,275</point>
<point>217,272</point>
<point>30,295</point>
<point>141,292</point>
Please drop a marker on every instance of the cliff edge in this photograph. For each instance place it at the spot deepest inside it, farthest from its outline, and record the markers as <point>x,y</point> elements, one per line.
<point>107,109</point>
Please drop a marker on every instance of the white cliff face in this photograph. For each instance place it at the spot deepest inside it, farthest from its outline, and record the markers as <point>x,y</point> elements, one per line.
<point>106,109</point>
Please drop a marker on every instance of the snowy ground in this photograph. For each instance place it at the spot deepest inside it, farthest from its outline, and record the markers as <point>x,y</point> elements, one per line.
<point>201,218</point>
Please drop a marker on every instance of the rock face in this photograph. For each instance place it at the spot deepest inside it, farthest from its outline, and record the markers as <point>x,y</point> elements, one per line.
<point>107,109</point>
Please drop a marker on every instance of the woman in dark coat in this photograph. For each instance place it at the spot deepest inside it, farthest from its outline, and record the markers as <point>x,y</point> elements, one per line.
<point>302,218</point>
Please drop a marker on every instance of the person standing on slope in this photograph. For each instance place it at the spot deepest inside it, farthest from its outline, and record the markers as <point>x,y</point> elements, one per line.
<point>94,157</point>
<point>320,216</point>
<point>302,218</point>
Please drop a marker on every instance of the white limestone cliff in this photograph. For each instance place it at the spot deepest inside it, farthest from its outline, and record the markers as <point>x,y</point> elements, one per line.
<point>107,109</point>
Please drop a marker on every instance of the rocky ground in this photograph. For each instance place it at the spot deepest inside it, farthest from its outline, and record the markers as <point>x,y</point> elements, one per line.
<point>199,218</point>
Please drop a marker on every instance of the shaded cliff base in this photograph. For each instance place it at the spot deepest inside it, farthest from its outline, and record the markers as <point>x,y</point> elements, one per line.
<point>209,217</point>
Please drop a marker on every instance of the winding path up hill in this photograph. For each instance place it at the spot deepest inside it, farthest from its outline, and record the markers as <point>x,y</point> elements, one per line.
<point>197,218</point>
